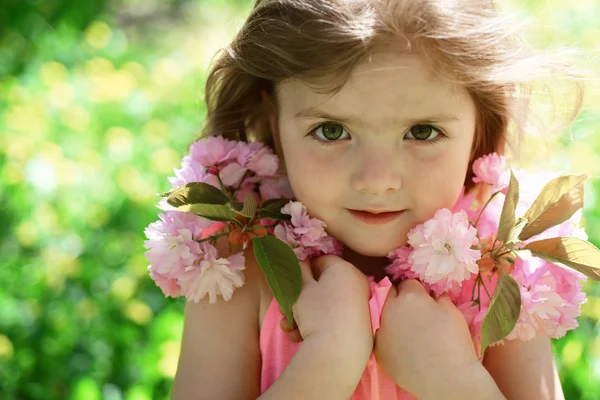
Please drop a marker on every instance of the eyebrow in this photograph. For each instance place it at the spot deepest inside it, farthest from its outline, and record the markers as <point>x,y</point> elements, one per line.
<point>315,113</point>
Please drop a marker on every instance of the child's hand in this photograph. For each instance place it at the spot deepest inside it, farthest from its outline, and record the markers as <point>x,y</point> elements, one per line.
<point>333,305</point>
<point>423,343</point>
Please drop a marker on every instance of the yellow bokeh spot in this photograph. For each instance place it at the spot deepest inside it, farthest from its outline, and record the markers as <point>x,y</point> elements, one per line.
<point>136,69</point>
<point>53,72</point>
<point>57,261</point>
<point>12,173</point>
<point>114,86</point>
<point>51,151</point>
<point>123,288</point>
<point>18,94</point>
<point>164,160</point>
<point>166,73</point>
<point>119,141</point>
<point>133,184</point>
<point>571,353</point>
<point>6,348</point>
<point>156,132</point>
<point>91,158</point>
<point>98,34</point>
<point>138,265</point>
<point>595,347</point>
<point>97,216</point>
<point>26,233</point>
<point>167,365</point>
<point>591,308</point>
<point>75,117</point>
<point>99,66</point>
<point>137,312</point>
<point>61,95</point>
<point>67,172</point>
<point>30,119</point>
<point>46,217</point>
<point>87,309</point>
<point>18,147</point>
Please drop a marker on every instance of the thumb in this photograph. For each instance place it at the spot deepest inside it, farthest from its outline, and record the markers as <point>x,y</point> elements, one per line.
<point>321,264</point>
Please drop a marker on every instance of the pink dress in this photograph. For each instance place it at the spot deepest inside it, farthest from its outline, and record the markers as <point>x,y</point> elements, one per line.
<point>277,351</point>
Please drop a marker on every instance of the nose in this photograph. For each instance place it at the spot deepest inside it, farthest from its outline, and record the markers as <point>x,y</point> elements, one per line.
<point>377,171</point>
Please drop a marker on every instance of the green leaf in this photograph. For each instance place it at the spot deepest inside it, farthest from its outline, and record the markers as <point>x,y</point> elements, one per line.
<point>507,218</point>
<point>214,212</point>
<point>247,208</point>
<point>503,312</point>
<point>515,231</point>
<point>557,202</point>
<point>572,252</point>
<point>196,193</point>
<point>271,209</point>
<point>282,270</point>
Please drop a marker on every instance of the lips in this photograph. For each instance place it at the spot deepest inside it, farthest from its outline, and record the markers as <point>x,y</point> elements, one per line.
<point>375,217</point>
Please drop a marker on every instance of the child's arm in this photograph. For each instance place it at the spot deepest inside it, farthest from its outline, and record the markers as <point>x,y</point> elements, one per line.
<point>316,372</point>
<point>525,370</point>
<point>220,353</point>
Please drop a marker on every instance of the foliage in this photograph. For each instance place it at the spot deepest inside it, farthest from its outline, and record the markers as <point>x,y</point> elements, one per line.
<point>97,106</point>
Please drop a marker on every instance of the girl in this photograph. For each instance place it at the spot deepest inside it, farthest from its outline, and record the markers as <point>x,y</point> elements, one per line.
<point>377,110</point>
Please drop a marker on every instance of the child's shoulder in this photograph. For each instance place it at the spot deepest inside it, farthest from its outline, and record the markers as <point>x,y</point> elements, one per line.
<point>255,284</point>
<point>256,278</point>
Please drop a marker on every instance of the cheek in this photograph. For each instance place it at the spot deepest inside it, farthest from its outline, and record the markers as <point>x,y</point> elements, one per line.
<point>310,172</point>
<point>439,183</point>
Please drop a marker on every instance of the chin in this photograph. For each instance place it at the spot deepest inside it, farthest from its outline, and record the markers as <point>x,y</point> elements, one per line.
<point>375,248</point>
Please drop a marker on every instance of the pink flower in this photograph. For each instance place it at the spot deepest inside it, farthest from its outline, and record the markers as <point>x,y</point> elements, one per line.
<point>172,242</point>
<point>491,169</point>
<point>258,158</point>
<point>191,171</point>
<point>169,286</point>
<point>400,268</point>
<point>212,276</point>
<point>442,248</point>
<point>231,174</point>
<point>274,188</point>
<point>214,150</point>
<point>263,162</point>
<point>551,298</point>
<point>305,235</point>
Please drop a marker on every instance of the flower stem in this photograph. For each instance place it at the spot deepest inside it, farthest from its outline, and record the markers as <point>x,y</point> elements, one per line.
<point>485,288</point>
<point>213,237</point>
<point>241,183</point>
<point>485,206</point>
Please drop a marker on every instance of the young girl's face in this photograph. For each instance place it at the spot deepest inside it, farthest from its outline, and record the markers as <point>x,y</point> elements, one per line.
<point>395,138</point>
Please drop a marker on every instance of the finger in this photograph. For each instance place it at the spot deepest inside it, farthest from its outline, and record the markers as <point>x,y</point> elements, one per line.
<point>307,274</point>
<point>320,264</point>
<point>444,299</point>
<point>411,286</point>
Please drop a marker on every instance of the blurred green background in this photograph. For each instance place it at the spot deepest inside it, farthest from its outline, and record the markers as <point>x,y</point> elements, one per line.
<point>98,103</point>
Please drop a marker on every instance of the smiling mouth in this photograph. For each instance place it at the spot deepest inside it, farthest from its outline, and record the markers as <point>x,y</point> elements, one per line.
<point>375,217</point>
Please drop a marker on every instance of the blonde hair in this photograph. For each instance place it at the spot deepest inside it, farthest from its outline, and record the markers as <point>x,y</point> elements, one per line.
<point>319,42</point>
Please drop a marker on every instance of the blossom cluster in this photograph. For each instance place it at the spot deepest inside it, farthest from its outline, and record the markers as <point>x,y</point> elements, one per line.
<point>184,261</point>
<point>456,252</point>
<point>445,254</point>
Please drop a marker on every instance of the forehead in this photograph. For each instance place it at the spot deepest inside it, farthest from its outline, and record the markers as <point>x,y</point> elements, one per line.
<point>387,85</point>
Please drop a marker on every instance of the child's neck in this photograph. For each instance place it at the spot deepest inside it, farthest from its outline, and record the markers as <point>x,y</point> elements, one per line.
<point>370,266</point>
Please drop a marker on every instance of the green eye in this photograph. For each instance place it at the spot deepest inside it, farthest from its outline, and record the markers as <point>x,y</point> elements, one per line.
<point>421,132</point>
<point>329,131</point>
<point>424,132</point>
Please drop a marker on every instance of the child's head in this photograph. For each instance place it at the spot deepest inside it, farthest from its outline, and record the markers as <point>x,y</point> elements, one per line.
<point>372,105</point>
